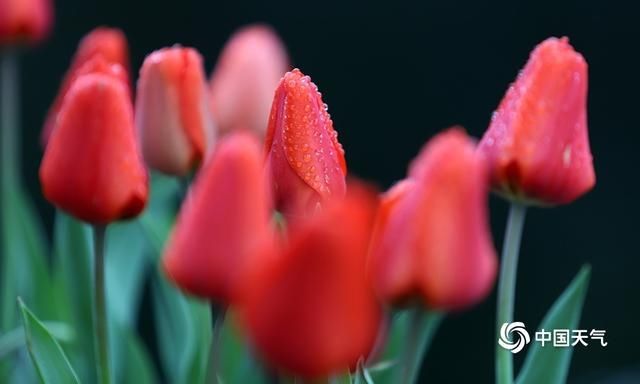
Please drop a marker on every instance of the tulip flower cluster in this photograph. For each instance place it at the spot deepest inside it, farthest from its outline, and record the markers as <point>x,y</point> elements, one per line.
<point>313,297</point>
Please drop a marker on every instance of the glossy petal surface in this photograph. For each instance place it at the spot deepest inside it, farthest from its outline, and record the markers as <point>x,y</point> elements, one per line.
<point>92,167</point>
<point>305,159</point>
<point>537,143</point>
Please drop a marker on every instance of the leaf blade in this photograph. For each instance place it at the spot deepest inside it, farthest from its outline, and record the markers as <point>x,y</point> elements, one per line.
<point>24,270</point>
<point>563,314</point>
<point>46,354</point>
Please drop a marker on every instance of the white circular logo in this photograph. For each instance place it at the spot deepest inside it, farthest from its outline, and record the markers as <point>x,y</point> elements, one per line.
<point>520,337</point>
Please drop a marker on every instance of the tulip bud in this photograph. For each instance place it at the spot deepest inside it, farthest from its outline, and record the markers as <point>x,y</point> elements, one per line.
<point>305,161</point>
<point>311,311</point>
<point>27,21</point>
<point>172,110</point>
<point>223,223</point>
<point>99,65</point>
<point>92,167</point>
<point>433,241</point>
<point>242,84</point>
<point>537,143</point>
<point>102,46</point>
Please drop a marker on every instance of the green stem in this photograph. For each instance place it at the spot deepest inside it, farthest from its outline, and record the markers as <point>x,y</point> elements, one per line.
<point>507,287</point>
<point>422,327</point>
<point>101,337</point>
<point>9,95</point>
<point>217,319</point>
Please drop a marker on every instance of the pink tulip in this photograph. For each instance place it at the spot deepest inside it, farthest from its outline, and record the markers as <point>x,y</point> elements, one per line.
<point>242,84</point>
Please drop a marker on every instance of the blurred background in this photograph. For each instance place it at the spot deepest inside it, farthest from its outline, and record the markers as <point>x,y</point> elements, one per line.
<point>395,73</point>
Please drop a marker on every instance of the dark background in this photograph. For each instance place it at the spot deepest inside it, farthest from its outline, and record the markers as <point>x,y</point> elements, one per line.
<point>393,74</point>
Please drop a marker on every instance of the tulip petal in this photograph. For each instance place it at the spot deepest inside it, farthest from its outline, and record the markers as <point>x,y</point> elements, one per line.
<point>25,21</point>
<point>172,110</point>
<point>435,244</point>
<point>103,44</point>
<point>537,143</point>
<point>242,84</point>
<point>223,223</point>
<point>311,310</point>
<point>92,167</point>
<point>302,144</point>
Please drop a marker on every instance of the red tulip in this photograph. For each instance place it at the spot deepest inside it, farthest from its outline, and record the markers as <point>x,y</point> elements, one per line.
<point>27,21</point>
<point>304,158</point>
<point>388,203</point>
<point>311,311</point>
<point>537,143</point>
<point>103,44</point>
<point>247,72</point>
<point>172,110</point>
<point>223,223</point>
<point>92,167</point>
<point>99,65</point>
<point>433,243</point>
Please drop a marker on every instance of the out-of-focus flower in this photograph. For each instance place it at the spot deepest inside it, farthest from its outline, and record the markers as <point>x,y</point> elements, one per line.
<point>311,311</point>
<point>247,72</point>
<point>28,21</point>
<point>99,65</point>
<point>102,45</point>
<point>92,167</point>
<point>305,161</point>
<point>537,143</point>
<point>388,203</point>
<point>433,242</point>
<point>224,222</point>
<point>172,110</point>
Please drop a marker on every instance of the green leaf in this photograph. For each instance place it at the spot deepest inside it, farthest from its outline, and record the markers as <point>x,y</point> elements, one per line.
<point>137,367</point>
<point>23,254</point>
<point>183,328</point>
<point>47,355</point>
<point>383,371</point>
<point>362,375</point>
<point>14,339</point>
<point>23,271</point>
<point>157,220</point>
<point>127,261</point>
<point>381,366</point>
<point>548,364</point>
<point>237,362</point>
<point>345,378</point>
<point>73,288</point>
